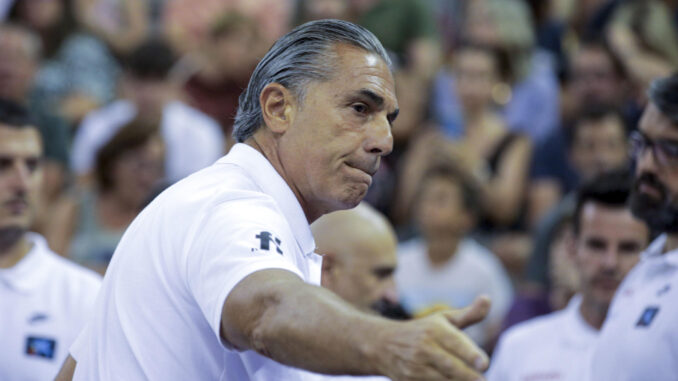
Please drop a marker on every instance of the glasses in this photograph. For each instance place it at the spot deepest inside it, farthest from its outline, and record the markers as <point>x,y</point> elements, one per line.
<point>664,153</point>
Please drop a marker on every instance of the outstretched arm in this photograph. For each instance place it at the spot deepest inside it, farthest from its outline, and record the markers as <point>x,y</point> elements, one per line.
<point>278,315</point>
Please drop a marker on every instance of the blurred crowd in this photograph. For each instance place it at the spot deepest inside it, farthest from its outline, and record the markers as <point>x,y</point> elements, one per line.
<point>507,106</point>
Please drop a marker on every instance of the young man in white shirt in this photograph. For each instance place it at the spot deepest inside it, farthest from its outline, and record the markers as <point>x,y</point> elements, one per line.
<point>211,281</point>
<point>44,298</point>
<point>639,339</point>
<point>607,240</point>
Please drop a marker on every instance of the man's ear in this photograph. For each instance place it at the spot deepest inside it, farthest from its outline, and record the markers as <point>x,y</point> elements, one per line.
<point>278,106</point>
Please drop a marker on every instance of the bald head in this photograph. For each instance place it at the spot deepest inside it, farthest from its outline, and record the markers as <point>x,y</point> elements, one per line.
<point>359,255</point>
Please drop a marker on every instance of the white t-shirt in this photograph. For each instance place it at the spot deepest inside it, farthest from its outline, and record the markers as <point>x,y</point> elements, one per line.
<point>639,339</point>
<point>159,313</point>
<point>193,140</point>
<point>471,272</point>
<point>554,347</point>
<point>44,301</point>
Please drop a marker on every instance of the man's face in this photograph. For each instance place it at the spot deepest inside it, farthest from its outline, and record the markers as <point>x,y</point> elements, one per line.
<point>17,67</point>
<point>654,196</point>
<point>20,176</point>
<point>363,274</point>
<point>149,95</point>
<point>607,247</point>
<point>599,146</point>
<point>594,79</point>
<point>339,132</point>
<point>440,210</point>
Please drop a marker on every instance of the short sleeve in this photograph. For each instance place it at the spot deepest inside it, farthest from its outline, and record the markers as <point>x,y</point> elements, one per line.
<point>236,239</point>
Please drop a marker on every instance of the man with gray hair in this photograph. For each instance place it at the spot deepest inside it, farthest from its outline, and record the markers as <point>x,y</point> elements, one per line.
<point>217,278</point>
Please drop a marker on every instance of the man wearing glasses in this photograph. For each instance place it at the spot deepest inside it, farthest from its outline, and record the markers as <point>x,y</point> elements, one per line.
<point>639,340</point>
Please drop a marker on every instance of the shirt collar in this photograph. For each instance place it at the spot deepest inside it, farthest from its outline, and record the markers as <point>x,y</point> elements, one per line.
<point>656,250</point>
<point>271,183</point>
<point>579,332</point>
<point>32,270</point>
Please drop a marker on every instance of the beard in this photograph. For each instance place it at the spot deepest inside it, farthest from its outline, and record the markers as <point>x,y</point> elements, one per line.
<point>9,236</point>
<point>660,214</point>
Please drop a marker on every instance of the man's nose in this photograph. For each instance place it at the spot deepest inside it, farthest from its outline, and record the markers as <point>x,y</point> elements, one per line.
<point>19,176</point>
<point>646,162</point>
<point>390,292</point>
<point>380,138</point>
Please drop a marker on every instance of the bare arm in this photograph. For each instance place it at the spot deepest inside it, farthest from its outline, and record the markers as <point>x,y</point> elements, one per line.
<point>275,313</point>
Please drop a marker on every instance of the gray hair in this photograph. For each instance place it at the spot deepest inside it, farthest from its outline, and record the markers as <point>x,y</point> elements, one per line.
<point>299,57</point>
<point>664,94</point>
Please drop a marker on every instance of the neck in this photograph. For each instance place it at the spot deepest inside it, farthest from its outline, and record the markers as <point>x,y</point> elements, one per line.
<point>13,246</point>
<point>671,242</point>
<point>593,313</point>
<point>263,142</point>
<point>442,249</point>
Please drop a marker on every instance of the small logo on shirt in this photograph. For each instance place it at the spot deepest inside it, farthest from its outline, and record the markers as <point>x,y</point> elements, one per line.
<point>648,316</point>
<point>265,239</point>
<point>40,347</point>
<point>37,318</point>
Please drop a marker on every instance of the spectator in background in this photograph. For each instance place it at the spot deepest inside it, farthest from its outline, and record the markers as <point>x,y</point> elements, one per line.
<point>595,77</point>
<point>309,10</point>
<point>128,168</point>
<point>498,159</point>
<point>223,66</point>
<point>607,242</point>
<point>528,98</point>
<point>444,267</point>
<point>415,42</point>
<point>359,257</point>
<point>20,52</point>
<point>192,139</point>
<point>44,298</point>
<point>597,143</point>
<point>79,73</point>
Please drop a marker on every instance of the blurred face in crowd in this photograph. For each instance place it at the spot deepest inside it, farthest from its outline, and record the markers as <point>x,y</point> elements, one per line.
<point>41,14</point>
<point>325,9</point>
<point>149,95</point>
<point>476,74</point>
<point>594,79</point>
<point>607,246</point>
<point>137,171</point>
<point>440,209</point>
<point>235,50</point>
<point>335,137</point>
<point>361,269</point>
<point>17,64</point>
<point>654,196</point>
<point>598,146</point>
<point>480,27</point>
<point>20,176</point>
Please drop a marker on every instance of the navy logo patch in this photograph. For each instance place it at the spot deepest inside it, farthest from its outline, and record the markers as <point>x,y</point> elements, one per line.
<point>40,347</point>
<point>265,239</point>
<point>648,316</point>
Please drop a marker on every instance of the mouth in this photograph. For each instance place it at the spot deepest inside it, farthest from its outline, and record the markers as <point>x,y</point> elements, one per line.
<point>16,206</point>
<point>369,170</point>
<point>606,283</point>
<point>650,190</point>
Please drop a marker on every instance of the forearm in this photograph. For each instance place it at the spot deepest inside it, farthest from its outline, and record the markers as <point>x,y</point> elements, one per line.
<point>302,325</point>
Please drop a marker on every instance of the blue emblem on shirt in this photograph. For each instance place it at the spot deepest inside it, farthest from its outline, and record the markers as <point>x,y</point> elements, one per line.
<point>40,347</point>
<point>648,316</point>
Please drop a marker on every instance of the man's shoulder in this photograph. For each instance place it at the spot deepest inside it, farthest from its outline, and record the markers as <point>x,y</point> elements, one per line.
<point>73,276</point>
<point>537,329</point>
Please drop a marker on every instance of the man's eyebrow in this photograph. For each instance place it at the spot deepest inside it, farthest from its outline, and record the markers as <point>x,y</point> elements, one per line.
<point>376,99</point>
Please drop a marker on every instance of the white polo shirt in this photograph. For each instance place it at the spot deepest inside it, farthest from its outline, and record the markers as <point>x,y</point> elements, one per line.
<point>554,347</point>
<point>192,139</point>
<point>639,339</point>
<point>159,313</point>
<point>44,301</point>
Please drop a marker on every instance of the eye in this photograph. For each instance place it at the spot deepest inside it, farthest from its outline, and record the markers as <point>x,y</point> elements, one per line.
<point>32,164</point>
<point>360,108</point>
